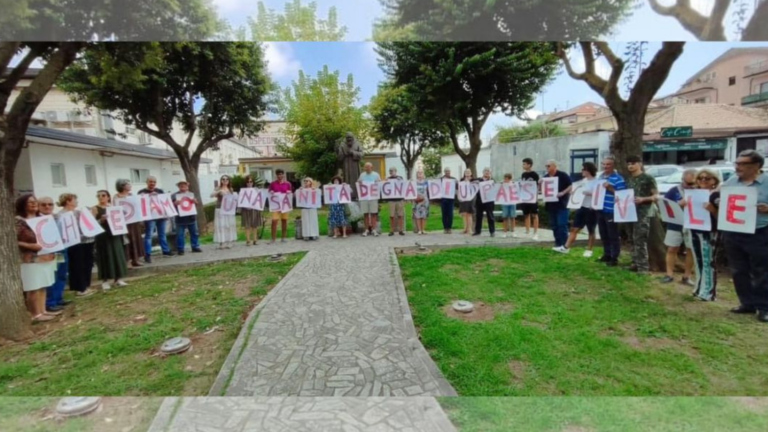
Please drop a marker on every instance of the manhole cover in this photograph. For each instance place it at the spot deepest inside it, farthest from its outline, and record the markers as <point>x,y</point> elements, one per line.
<point>76,406</point>
<point>463,306</point>
<point>276,258</point>
<point>176,345</point>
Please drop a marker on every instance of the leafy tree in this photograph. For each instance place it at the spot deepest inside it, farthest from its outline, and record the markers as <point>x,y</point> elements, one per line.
<point>535,130</point>
<point>712,27</point>
<point>319,112</point>
<point>211,91</point>
<point>461,84</point>
<point>21,20</point>
<point>629,113</point>
<point>397,119</point>
<point>500,20</point>
<point>432,160</point>
<point>298,22</point>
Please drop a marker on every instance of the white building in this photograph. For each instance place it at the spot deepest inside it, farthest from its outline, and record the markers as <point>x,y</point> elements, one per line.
<point>456,164</point>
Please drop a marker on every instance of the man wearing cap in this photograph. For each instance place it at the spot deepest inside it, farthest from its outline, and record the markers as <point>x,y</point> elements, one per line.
<point>183,223</point>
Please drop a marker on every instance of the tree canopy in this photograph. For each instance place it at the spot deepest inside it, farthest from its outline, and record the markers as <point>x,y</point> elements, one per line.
<point>319,112</point>
<point>532,131</point>
<point>297,23</point>
<point>396,119</point>
<point>86,20</point>
<point>500,20</point>
<point>461,84</point>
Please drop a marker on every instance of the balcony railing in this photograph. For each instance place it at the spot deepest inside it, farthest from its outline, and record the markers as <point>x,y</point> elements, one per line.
<point>755,99</point>
<point>756,68</point>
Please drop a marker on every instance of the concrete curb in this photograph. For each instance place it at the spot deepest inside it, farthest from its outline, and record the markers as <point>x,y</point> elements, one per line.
<point>165,415</point>
<point>417,348</point>
<point>220,384</point>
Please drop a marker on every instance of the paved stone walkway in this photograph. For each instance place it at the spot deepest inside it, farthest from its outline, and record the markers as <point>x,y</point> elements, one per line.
<point>276,414</point>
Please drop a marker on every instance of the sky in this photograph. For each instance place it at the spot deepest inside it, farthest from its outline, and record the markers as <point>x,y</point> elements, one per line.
<point>359,16</point>
<point>285,59</point>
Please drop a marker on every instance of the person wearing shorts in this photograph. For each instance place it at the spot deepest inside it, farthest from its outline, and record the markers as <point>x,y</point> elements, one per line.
<point>530,211</point>
<point>585,216</point>
<point>279,186</point>
<point>370,208</point>
<point>396,209</point>
<point>508,213</point>
<point>677,236</point>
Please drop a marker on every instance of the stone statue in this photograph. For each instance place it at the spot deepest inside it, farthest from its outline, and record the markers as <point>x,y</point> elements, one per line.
<point>350,153</point>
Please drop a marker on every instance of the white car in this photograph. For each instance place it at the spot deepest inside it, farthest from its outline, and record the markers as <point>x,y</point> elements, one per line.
<point>667,183</point>
<point>660,171</point>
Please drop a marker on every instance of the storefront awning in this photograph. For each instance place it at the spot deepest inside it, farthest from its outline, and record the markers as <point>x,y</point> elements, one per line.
<point>662,146</point>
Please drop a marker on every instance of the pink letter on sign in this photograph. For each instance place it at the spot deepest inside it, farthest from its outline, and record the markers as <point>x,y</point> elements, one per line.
<point>46,243</point>
<point>116,220</point>
<point>696,215</point>
<point>738,209</point>
<point>733,207</point>
<point>549,186</point>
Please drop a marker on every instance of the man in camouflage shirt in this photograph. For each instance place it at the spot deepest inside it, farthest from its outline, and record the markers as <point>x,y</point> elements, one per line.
<point>645,195</point>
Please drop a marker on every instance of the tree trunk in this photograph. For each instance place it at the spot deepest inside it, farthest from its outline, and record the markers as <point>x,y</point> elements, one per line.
<point>14,320</point>
<point>628,141</point>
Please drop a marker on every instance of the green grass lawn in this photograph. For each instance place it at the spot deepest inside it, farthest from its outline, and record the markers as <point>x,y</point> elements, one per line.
<point>37,414</point>
<point>108,344</point>
<point>434,222</point>
<point>608,414</point>
<point>566,325</point>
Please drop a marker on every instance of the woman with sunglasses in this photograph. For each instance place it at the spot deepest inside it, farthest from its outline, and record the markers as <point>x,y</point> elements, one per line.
<point>225,226</point>
<point>134,247</point>
<point>705,243</point>
<point>110,250</point>
<point>37,271</point>
<point>250,218</point>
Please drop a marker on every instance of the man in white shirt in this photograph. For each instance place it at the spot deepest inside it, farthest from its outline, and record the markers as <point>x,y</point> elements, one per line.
<point>370,208</point>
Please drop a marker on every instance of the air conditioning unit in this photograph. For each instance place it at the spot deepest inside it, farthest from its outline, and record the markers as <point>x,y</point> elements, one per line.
<point>51,116</point>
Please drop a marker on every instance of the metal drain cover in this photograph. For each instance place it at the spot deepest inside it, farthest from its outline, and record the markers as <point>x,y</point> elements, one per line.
<point>176,345</point>
<point>463,306</point>
<point>276,258</point>
<point>77,406</point>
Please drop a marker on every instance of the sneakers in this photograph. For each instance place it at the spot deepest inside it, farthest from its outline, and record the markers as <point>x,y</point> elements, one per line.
<point>365,233</point>
<point>106,286</point>
<point>391,234</point>
<point>514,235</point>
<point>504,235</point>
<point>688,281</point>
<point>667,279</point>
<point>375,233</point>
<point>122,283</point>
<point>588,254</point>
<point>198,250</point>
<point>148,259</point>
<point>85,293</point>
<point>535,237</point>
<point>402,233</point>
<point>561,249</point>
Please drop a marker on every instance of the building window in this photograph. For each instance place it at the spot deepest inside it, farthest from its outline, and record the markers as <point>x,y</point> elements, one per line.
<point>90,175</point>
<point>57,174</point>
<point>139,175</point>
<point>732,81</point>
<point>764,87</point>
<point>701,100</point>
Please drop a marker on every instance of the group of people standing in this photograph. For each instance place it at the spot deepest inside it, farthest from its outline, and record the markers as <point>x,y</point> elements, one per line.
<point>44,277</point>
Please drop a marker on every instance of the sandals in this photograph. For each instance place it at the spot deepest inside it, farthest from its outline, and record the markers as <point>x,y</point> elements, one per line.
<point>43,317</point>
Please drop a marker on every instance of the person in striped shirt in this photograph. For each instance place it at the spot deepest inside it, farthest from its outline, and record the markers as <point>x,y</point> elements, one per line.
<point>609,230</point>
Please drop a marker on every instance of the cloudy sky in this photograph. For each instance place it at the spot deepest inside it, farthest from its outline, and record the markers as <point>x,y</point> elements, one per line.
<point>360,60</point>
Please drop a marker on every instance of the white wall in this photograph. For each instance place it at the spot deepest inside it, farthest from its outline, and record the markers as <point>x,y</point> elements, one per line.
<point>457,165</point>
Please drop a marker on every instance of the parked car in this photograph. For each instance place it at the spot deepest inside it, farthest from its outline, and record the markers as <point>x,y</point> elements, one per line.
<point>667,183</point>
<point>661,171</point>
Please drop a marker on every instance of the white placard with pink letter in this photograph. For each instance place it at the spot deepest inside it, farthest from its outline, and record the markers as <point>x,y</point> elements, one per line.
<point>411,190</point>
<point>131,208</point>
<point>367,191</point>
<point>529,192</point>
<point>624,209</point>
<point>70,232</point>
<point>449,188</point>
<point>467,191</point>
<point>186,205</point>
<point>116,220</point>
<point>151,208</point>
<point>166,202</point>
<point>435,189</point>
<point>229,204</point>
<point>577,197</point>
<point>308,198</point>
<point>392,189</point>
<point>549,187</point>
<point>331,193</point>
<point>507,194</point>
<point>696,215</point>
<point>47,233</point>
<point>738,210</point>
<point>345,194</point>
<point>89,226</point>
<point>671,212</point>
<point>488,191</point>
<point>598,195</point>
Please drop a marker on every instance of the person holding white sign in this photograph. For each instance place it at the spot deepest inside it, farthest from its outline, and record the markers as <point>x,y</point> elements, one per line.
<point>224,225</point>
<point>310,229</point>
<point>705,242</point>
<point>250,219</point>
<point>110,251</point>
<point>337,219</point>
<point>54,296</point>
<point>396,208</point>
<point>676,236</point>
<point>370,208</point>
<point>280,186</point>
<point>134,248</point>
<point>645,196</point>
<point>585,215</point>
<point>37,271</point>
<point>150,225</point>
<point>558,210</point>
<point>467,208</point>
<point>421,207</point>
<point>446,202</point>
<point>508,212</point>
<point>609,230</point>
<point>748,253</point>
<point>484,208</point>
<point>80,256</point>
<point>530,211</point>
<point>185,223</point>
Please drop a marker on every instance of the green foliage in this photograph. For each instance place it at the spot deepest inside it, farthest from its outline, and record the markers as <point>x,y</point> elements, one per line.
<point>319,112</point>
<point>498,20</point>
<point>533,131</point>
<point>462,84</point>
<point>238,181</point>
<point>431,158</point>
<point>297,23</point>
<point>59,20</point>
<point>397,119</point>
